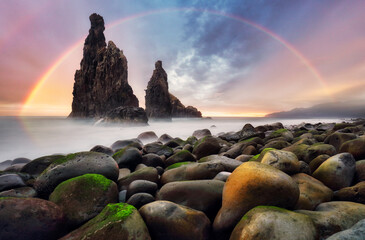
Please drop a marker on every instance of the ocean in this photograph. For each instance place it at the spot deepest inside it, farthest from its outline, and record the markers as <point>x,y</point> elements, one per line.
<point>33,137</point>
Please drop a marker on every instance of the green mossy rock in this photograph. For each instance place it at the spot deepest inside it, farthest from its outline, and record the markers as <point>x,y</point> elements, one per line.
<point>116,221</point>
<point>82,198</point>
<point>182,156</point>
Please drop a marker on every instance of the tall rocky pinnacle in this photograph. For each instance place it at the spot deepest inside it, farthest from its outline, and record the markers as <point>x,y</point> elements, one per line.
<point>101,84</point>
<point>158,104</point>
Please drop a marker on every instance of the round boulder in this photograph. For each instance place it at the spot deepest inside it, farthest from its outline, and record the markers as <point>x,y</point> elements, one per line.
<point>336,172</point>
<point>356,147</point>
<point>182,156</point>
<point>9,181</point>
<point>206,146</point>
<point>168,220</point>
<point>128,157</point>
<point>74,165</point>
<point>82,198</point>
<point>250,185</point>
<point>266,222</point>
<point>30,218</point>
<point>354,193</point>
<point>282,160</point>
<point>116,221</point>
<point>140,199</point>
<point>141,186</point>
<point>312,192</point>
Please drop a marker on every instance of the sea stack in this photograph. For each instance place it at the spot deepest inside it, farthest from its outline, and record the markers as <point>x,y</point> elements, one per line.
<point>158,104</point>
<point>101,84</point>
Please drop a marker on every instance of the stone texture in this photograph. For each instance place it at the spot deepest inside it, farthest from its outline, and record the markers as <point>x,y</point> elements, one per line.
<point>116,221</point>
<point>30,218</point>
<point>266,222</point>
<point>101,83</point>
<point>127,115</point>
<point>356,147</point>
<point>354,193</point>
<point>250,185</point>
<point>356,232</point>
<point>167,220</point>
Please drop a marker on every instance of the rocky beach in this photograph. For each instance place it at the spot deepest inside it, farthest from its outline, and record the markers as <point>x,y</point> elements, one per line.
<point>264,182</point>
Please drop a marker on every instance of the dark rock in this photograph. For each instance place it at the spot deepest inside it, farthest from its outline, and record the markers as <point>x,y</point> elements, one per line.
<point>4,165</point>
<point>101,84</point>
<point>82,198</point>
<point>280,144</point>
<point>337,172</point>
<point>9,181</point>
<point>222,176</point>
<point>122,196</point>
<point>185,193</point>
<point>102,149</point>
<point>22,192</point>
<point>319,149</point>
<point>360,171</point>
<point>206,146</point>
<point>356,232</point>
<point>180,111</point>
<point>127,115</point>
<point>164,138</point>
<point>30,218</point>
<point>148,173</point>
<point>141,186</point>
<point>15,167</point>
<point>74,165</point>
<point>201,133</point>
<point>147,136</point>
<point>138,200</point>
<point>128,157</point>
<point>158,104</point>
<point>355,193</point>
<point>158,149</point>
<point>182,156</point>
<point>168,220</point>
<point>356,147</point>
<point>315,163</point>
<point>337,139</point>
<point>118,145</point>
<point>20,161</point>
<point>37,166</point>
<point>152,160</point>
<point>304,168</point>
<point>116,221</point>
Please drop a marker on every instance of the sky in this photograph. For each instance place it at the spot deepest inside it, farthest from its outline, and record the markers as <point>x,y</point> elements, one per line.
<point>227,58</point>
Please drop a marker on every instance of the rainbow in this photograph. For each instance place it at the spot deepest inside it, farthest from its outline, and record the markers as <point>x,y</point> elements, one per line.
<point>311,68</point>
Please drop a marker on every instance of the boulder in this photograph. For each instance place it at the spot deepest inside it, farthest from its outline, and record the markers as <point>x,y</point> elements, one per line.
<point>182,156</point>
<point>5,164</point>
<point>337,139</point>
<point>356,147</point>
<point>22,192</point>
<point>82,198</point>
<point>315,163</point>
<point>128,157</point>
<point>199,171</point>
<point>141,186</point>
<point>201,133</point>
<point>158,149</point>
<point>148,173</point>
<point>222,176</point>
<point>267,222</point>
<point>282,160</point>
<point>300,150</point>
<point>140,199</point>
<point>312,192</point>
<point>250,185</point>
<point>9,181</point>
<point>167,220</point>
<point>333,217</point>
<point>101,84</point>
<point>319,149</point>
<point>149,136</point>
<point>356,232</point>
<point>152,160</point>
<point>116,221</point>
<point>102,149</point>
<point>354,193</point>
<point>360,171</point>
<point>336,172</point>
<point>74,165</point>
<point>206,146</point>
<point>30,218</point>
<point>120,144</point>
<point>185,193</point>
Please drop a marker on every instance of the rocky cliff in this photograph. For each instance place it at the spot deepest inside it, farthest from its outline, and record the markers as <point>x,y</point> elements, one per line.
<point>162,104</point>
<point>180,111</point>
<point>158,104</point>
<point>101,84</point>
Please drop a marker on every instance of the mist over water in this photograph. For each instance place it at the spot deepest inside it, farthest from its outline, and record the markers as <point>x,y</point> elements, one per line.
<point>33,137</point>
